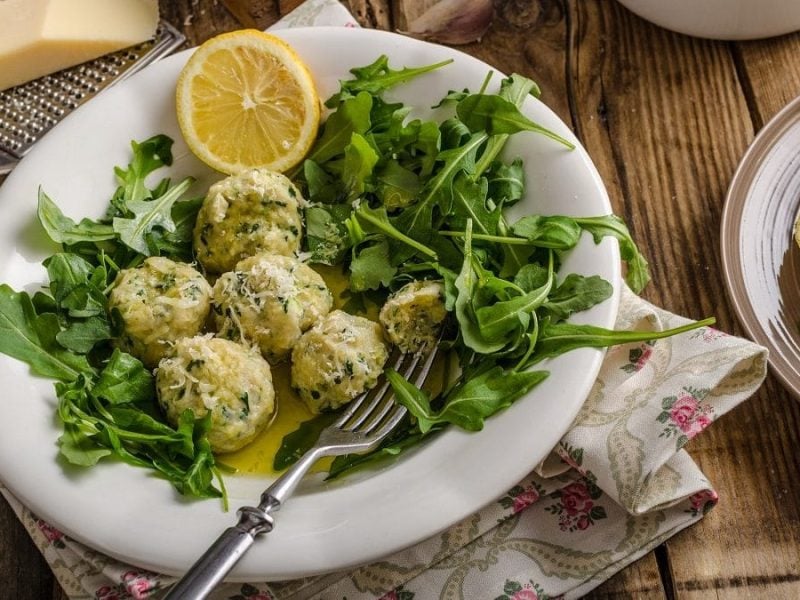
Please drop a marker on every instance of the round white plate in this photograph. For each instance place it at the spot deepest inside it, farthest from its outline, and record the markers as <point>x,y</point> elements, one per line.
<point>131,515</point>
<point>760,258</point>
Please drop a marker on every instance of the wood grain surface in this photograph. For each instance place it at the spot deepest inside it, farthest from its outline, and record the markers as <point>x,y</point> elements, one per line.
<point>666,118</point>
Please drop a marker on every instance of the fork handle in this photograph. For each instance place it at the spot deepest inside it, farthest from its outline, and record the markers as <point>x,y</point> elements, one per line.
<point>211,568</point>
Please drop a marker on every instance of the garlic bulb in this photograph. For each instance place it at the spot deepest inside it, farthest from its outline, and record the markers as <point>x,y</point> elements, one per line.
<point>453,21</point>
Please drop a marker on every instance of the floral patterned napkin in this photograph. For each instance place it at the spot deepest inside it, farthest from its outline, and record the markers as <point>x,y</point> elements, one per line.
<point>617,485</point>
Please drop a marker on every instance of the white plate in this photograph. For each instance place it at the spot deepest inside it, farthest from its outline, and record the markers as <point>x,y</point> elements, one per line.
<point>131,515</point>
<point>760,258</point>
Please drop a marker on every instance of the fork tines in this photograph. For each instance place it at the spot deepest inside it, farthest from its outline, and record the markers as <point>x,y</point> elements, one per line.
<point>375,412</point>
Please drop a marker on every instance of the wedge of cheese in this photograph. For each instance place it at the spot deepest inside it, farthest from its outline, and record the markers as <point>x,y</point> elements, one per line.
<point>38,37</point>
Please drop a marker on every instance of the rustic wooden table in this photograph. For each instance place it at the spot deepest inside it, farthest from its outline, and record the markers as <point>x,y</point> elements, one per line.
<point>666,119</point>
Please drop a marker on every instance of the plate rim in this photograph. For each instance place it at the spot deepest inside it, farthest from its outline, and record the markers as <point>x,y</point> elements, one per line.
<point>738,196</point>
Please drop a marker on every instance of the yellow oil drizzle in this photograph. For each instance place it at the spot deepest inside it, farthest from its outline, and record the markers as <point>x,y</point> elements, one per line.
<point>257,457</point>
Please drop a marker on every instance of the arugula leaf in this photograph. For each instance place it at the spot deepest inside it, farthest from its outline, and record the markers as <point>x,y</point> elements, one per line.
<point>322,187</point>
<point>31,338</point>
<point>94,429</point>
<point>124,380</point>
<point>532,276</point>
<point>378,77</point>
<point>326,233</point>
<point>63,230</point>
<point>611,225</point>
<point>67,272</point>
<point>371,267</point>
<point>299,441</point>
<point>503,317</point>
<point>377,220</point>
<point>352,116</point>
<point>82,336</point>
<point>482,396</point>
<point>557,338</point>
<point>574,294</point>
<point>469,202</point>
<point>176,244</point>
<point>359,161</point>
<point>466,286</point>
<point>468,405</point>
<point>79,449</point>
<point>496,115</point>
<point>147,215</point>
<point>149,155</point>
<point>417,220</point>
<point>556,232</point>
<point>515,88</point>
<point>506,182</point>
<point>396,186</point>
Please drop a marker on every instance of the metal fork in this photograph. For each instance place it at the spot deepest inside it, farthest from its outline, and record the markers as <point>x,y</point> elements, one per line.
<point>366,422</point>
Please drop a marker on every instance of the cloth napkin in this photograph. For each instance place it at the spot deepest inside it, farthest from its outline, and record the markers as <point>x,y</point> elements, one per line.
<point>618,484</point>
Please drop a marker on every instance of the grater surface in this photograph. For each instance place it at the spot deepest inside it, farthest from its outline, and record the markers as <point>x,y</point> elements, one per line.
<point>30,110</point>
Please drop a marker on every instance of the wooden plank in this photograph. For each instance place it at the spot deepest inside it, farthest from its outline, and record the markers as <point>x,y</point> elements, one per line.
<point>200,20</point>
<point>258,14</point>
<point>641,580</point>
<point>669,176</point>
<point>769,74</point>
<point>666,125</point>
<point>287,6</point>
<point>24,574</point>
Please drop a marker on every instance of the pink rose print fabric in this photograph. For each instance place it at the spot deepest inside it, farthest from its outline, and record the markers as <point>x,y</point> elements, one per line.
<point>519,498</point>
<point>514,590</point>
<point>702,502</point>
<point>684,415</point>
<point>576,506</point>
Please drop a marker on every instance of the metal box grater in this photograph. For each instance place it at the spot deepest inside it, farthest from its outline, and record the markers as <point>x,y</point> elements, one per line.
<point>30,110</point>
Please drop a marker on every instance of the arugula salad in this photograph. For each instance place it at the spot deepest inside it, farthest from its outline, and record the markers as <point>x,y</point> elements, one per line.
<point>390,200</point>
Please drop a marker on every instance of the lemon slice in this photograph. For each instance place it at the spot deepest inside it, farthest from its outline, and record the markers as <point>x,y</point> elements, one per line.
<point>245,99</point>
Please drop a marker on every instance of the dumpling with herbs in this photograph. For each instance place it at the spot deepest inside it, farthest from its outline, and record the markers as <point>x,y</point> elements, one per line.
<point>255,211</point>
<point>269,301</point>
<point>211,375</point>
<point>158,302</point>
<point>339,358</point>
<point>413,316</point>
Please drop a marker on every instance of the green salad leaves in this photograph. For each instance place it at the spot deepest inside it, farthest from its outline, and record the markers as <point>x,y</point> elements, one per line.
<point>396,199</point>
<point>106,398</point>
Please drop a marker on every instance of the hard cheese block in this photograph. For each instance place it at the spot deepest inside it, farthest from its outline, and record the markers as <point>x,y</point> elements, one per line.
<point>38,37</point>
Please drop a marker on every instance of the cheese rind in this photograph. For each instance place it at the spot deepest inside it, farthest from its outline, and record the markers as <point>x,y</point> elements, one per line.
<point>38,37</point>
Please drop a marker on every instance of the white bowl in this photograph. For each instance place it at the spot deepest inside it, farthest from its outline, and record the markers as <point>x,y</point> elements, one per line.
<point>721,19</point>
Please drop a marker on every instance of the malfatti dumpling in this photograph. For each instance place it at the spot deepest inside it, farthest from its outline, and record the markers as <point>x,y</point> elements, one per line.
<point>159,302</point>
<point>413,316</point>
<point>245,214</point>
<point>230,381</point>
<point>339,358</point>
<point>269,301</point>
